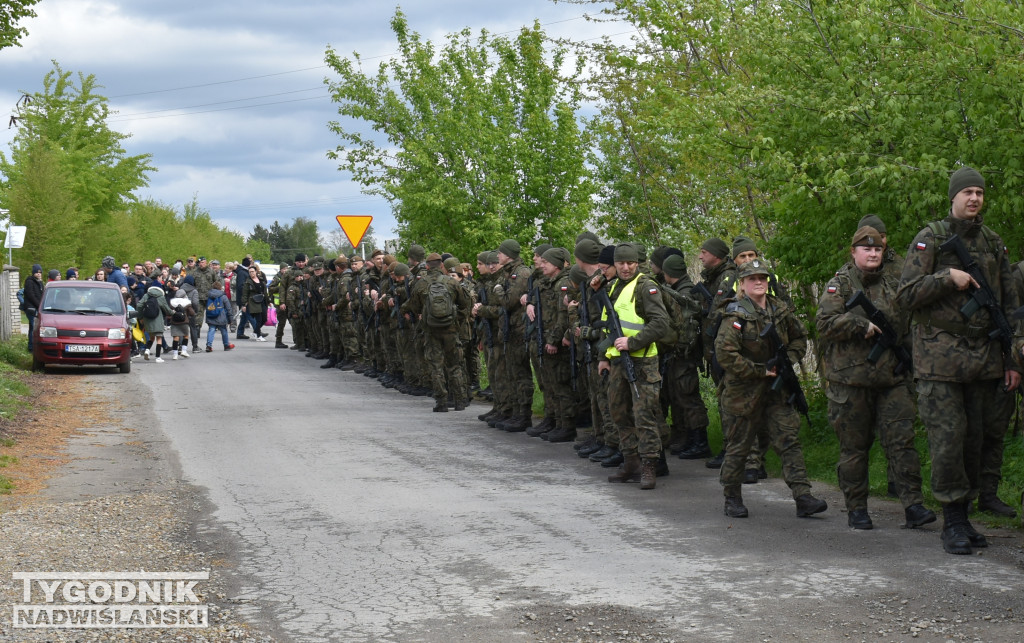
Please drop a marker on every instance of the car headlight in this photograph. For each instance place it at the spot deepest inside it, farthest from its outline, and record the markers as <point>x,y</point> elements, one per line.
<point>115,333</point>
<point>47,331</point>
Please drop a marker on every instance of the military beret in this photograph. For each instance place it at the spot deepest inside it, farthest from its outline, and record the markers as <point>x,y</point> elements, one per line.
<point>965,177</point>
<point>872,220</point>
<point>341,262</point>
<point>541,249</point>
<point>416,253</point>
<point>674,266</point>
<point>867,236</point>
<point>352,258</point>
<point>754,267</point>
<point>741,245</point>
<point>389,259</point>
<point>433,256</point>
<point>510,248</point>
<point>717,247</point>
<point>607,256</point>
<point>465,266</point>
<point>626,252</point>
<point>402,270</point>
<point>376,253</point>
<point>555,257</point>
<point>587,251</point>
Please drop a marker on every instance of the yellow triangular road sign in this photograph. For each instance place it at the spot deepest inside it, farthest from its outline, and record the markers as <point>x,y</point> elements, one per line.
<point>354,226</point>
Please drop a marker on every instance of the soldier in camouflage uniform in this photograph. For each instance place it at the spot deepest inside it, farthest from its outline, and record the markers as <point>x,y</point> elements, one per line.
<point>963,375</point>
<point>443,348</point>
<point>718,268</point>
<point>511,360</point>
<point>316,331</point>
<point>534,284</point>
<point>401,292</point>
<point>583,313</point>
<point>634,406</point>
<point>865,396</point>
<point>345,288</point>
<point>609,455</point>
<point>332,297</point>
<point>554,326</point>
<point>279,287</point>
<point>747,398</point>
<point>294,302</point>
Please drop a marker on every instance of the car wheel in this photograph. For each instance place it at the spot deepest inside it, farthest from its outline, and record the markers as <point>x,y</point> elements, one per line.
<point>126,367</point>
<point>37,366</point>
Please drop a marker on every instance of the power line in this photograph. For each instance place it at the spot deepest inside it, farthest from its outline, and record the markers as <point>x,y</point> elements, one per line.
<point>236,100</point>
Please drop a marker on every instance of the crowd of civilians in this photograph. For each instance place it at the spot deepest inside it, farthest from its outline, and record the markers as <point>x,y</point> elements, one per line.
<point>187,293</point>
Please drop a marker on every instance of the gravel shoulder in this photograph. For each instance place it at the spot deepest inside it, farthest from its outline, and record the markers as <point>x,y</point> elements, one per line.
<point>98,489</point>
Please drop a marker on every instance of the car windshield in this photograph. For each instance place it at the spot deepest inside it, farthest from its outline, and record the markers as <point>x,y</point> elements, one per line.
<point>83,301</point>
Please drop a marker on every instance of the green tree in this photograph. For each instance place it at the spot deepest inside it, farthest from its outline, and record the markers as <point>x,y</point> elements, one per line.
<point>12,12</point>
<point>479,140</point>
<point>69,121</point>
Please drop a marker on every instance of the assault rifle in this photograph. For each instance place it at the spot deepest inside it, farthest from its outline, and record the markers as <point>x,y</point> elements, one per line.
<point>703,291</point>
<point>538,313</point>
<point>572,363</point>
<point>787,377</point>
<point>486,323</point>
<point>889,338</point>
<point>615,331</point>
<point>982,296</point>
<point>588,354</point>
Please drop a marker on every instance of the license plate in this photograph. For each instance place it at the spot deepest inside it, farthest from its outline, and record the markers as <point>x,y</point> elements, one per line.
<point>82,348</point>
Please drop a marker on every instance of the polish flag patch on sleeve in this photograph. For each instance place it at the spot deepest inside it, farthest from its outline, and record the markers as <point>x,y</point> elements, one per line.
<point>832,290</point>
<point>921,245</point>
<point>653,291</point>
<point>564,288</point>
<point>737,325</point>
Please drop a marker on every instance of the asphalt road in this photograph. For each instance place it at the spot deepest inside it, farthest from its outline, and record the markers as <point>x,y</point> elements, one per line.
<point>351,512</point>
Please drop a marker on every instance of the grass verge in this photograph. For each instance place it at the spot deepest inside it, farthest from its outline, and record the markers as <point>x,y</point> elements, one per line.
<point>14,394</point>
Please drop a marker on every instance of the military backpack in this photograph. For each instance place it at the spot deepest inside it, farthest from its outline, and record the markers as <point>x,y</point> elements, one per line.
<point>440,309</point>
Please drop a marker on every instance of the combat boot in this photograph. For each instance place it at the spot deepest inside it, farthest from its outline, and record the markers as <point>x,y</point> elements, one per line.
<point>734,507</point>
<point>440,407</point>
<point>602,453</point>
<point>483,417</point>
<point>715,462</point>
<point>918,515</point>
<point>331,363</point>
<point>590,449</point>
<point>698,447</point>
<point>359,368</point>
<point>545,425</point>
<point>955,539</point>
<point>614,460</point>
<point>977,539</point>
<point>347,366</point>
<point>808,505</point>
<point>629,471</point>
<point>460,405</point>
<point>681,442</point>
<point>280,344</point>
<point>990,502</point>
<point>564,433</point>
<point>648,473</point>
<point>517,424</point>
<point>859,519</point>
<point>498,418</point>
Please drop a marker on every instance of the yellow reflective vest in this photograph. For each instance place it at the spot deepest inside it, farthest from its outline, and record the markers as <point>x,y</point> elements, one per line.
<point>632,324</point>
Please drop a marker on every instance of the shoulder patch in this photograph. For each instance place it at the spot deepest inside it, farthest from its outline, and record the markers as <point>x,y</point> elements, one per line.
<point>832,289</point>
<point>653,291</point>
<point>737,324</point>
<point>921,245</point>
<point>719,292</point>
<point>564,288</point>
<point>513,276</point>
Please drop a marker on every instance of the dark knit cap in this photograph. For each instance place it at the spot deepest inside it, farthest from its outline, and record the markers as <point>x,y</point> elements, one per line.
<point>510,248</point>
<point>541,249</point>
<point>607,256</point>
<point>492,257</point>
<point>481,257</point>
<point>587,234</point>
<point>965,177</point>
<point>588,251</point>
<point>873,221</point>
<point>300,257</point>
<point>557,257</point>
<point>626,252</point>
<point>577,275</point>
<point>742,244</point>
<point>36,268</point>
<point>402,270</point>
<point>417,253</point>
<point>641,251</point>
<point>53,275</point>
<point>717,247</point>
<point>658,256</point>
<point>674,266</point>
<point>445,256</point>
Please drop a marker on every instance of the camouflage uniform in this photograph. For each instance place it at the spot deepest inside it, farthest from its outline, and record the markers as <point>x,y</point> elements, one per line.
<point>511,360</point>
<point>958,367</point>
<point>865,397</point>
<point>681,368</point>
<point>556,367</point>
<point>745,392</point>
<point>443,349</point>
<point>294,302</point>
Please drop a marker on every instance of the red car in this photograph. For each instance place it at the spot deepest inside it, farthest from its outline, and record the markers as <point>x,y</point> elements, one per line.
<point>82,323</point>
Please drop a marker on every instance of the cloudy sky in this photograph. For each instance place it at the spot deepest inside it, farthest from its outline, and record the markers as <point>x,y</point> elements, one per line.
<point>228,96</point>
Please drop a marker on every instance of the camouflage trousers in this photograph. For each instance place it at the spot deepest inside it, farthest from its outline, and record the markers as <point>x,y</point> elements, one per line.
<point>298,324</point>
<point>604,428</point>
<point>681,392</point>
<point>349,340</point>
<point>336,347</point>
<point>857,414</point>
<point>559,394</point>
<point>639,420</point>
<point>279,332</point>
<point>783,424</point>
<point>520,377</point>
<point>443,352</point>
<point>994,441</point>
<point>956,415</point>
